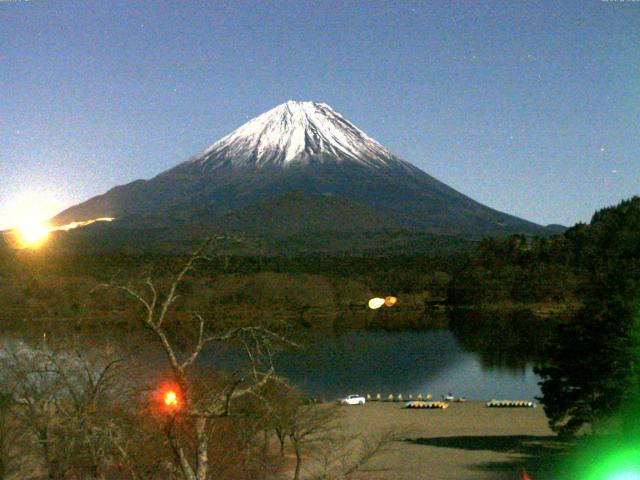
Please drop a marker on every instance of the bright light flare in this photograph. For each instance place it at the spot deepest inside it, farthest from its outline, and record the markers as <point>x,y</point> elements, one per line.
<point>28,233</point>
<point>376,303</point>
<point>171,399</point>
<point>32,234</point>
<point>167,399</point>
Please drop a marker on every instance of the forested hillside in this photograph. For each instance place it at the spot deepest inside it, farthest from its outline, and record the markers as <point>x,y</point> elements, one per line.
<point>544,275</point>
<point>557,270</point>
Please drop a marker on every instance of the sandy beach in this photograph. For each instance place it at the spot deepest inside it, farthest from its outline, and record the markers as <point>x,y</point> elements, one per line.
<point>465,441</point>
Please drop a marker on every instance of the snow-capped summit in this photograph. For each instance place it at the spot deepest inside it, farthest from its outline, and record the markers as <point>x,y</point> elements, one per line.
<point>296,133</point>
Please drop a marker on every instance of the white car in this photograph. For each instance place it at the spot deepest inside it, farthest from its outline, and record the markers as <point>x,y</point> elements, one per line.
<point>352,400</point>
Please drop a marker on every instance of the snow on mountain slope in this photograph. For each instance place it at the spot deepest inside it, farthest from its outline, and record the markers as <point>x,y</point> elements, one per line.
<point>296,133</point>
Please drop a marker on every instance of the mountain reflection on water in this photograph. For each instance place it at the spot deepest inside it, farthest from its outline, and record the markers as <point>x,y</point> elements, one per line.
<point>502,341</point>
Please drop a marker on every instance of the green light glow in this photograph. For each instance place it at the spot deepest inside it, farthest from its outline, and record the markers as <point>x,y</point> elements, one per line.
<point>625,476</point>
<point>613,464</point>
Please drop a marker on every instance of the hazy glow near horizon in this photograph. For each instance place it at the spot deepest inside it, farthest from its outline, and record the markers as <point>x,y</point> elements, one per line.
<point>32,204</point>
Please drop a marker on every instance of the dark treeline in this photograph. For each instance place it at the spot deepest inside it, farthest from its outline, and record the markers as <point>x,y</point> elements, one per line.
<point>109,263</point>
<point>401,273</point>
<point>561,269</point>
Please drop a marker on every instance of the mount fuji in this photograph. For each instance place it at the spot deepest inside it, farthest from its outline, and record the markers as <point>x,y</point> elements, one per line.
<point>300,168</point>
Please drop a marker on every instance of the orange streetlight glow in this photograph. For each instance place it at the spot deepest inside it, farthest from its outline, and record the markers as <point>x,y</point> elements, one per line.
<point>390,301</point>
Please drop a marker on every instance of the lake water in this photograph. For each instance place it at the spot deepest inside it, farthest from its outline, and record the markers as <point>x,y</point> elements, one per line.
<point>404,362</point>
<point>478,358</point>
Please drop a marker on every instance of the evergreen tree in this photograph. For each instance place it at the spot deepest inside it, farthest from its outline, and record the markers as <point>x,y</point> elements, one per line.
<point>594,365</point>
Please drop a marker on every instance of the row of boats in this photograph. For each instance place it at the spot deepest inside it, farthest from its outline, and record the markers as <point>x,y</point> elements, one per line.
<point>491,404</point>
<point>427,402</point>
<point>400,398</point>
<point>510,404</point>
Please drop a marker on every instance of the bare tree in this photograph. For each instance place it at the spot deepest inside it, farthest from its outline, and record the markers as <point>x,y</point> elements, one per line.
<point>200,402</point>
<point>34,391</point>
<point>309,426</point>
<point>75,410</point>
<point>351,457</point>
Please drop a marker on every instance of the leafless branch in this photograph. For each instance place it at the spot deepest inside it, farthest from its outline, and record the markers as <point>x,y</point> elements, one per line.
<point>171,296</point>
<point>199,344</point>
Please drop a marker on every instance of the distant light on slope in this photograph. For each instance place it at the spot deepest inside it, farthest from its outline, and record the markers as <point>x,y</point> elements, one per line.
<point>72,225</point>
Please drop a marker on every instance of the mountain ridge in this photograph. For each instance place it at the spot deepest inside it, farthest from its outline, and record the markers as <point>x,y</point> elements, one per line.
<point>304,147</point>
